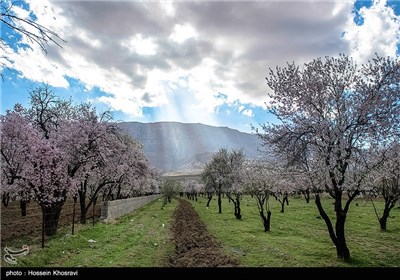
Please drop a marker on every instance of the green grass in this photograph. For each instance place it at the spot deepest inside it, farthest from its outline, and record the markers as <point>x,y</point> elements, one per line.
<point>299,237</point>
<point>138,239</point>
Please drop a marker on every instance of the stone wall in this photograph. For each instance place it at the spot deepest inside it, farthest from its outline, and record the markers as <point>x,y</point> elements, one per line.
<point>111,210</point>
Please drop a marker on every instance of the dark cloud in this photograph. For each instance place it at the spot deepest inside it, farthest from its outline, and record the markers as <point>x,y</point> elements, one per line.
<point>268,33</point>
<point>117,20</point>
<point>271,28</point>
<point>146,97</point>
<point>187,54</point>
<point>255,36</point>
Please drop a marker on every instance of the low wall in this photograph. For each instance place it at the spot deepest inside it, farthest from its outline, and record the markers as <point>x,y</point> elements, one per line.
<point>116,208</point>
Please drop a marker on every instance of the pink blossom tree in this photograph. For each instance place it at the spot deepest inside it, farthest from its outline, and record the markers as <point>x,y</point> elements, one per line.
<point>48,180</point>
<point>106,158</point>
<point>329,110</point>
<point>54,149</point>
<point>34,166</point>
<point>16,134</point>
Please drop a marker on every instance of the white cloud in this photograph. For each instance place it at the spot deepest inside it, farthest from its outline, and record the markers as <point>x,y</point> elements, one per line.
<point>125,104</point>
<point>248,113</point>
<point>379,33</point>
<point>19,12</point>
<point>168,7</point>
<point>180,56</point>
<point>39,68</point>
<point>90,40</point>
<point>182,32</point>
<point>140,45</point>
<point>50,15</point>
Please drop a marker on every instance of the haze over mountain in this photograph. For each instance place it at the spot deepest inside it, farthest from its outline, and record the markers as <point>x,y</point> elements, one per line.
<point>184,148</point>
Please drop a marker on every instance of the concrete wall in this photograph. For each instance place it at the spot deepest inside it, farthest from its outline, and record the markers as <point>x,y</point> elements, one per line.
<point>116,208</point>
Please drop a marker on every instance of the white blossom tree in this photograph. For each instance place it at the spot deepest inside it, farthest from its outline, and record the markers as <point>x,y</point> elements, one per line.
<point>385,180</point>
<point>216,173</point>
<point>223,173</point>
<point>329,110</point>
<point>260,178</point>
<point>234,184</point>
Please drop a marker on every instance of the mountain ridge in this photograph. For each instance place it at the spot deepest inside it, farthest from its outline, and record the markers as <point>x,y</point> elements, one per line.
<point>184,123</point>
<point>186,147</point>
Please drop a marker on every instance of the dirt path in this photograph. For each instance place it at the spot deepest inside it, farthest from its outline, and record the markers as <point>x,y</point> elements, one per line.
<point>194,246</point>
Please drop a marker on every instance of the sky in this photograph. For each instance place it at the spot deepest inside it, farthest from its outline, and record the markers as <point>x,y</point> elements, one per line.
<point>187,61</point>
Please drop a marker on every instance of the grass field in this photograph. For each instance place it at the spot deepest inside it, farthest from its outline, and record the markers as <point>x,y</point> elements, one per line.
<point>299,237</point>
<point>140,239</point>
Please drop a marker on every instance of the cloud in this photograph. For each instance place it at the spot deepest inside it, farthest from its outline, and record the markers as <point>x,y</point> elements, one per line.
<point>182,33</point>
<point>248,113</point>
<point>140,45</point>
<point>183,56</point>
<point>379,33</point>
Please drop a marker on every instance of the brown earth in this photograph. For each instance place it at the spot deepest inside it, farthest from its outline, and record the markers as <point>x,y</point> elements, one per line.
<point>194,245</point>
<point>14,226</point>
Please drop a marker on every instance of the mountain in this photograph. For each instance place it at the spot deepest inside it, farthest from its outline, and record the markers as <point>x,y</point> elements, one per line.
<point>184,148</point>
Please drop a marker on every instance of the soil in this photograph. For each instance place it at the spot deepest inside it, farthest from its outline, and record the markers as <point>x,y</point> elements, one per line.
<point>194,245</point>
<point>14,226</point>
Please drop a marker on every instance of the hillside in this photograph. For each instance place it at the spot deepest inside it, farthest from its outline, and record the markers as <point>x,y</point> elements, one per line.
<point>184,148</point>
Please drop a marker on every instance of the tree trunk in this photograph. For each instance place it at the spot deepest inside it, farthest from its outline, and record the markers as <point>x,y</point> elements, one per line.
<point>219,203</point>
<point>338,235</point>
<point>342,251</point>
<point>82,204</point>
<point>383,220</point>
<point>51,216</point>
<point>119,191</point>
<point>390,203</point>
<point>286,198</point>
<point>306,194</point>
<point>266,220</point>
<point>73,215</point>
<point>82,201</point>
<point>282,206</point>
<point>209,196</point>
<point>43,227</point>
<point>94,209</point>
<point>5,199</point>
<point>23,204</point>
<point>238,215</point>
